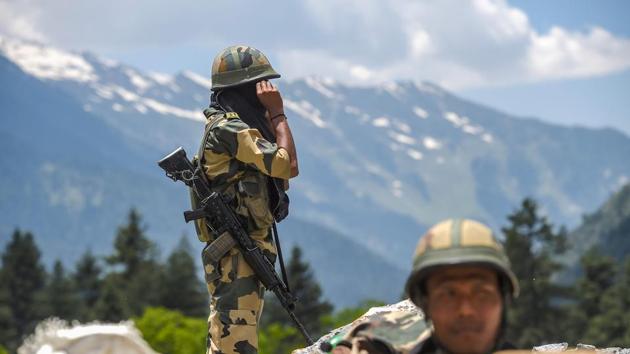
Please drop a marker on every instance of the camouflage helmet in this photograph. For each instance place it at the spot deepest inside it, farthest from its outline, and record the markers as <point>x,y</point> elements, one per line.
<point>455,242</point>
<point>240,64</point>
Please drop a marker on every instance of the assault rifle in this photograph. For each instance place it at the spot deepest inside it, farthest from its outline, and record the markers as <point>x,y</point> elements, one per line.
<point>222,221</point>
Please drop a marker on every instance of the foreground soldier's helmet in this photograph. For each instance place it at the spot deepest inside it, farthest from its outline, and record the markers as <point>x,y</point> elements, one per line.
<point>239,64</point>
<point>458,242</point>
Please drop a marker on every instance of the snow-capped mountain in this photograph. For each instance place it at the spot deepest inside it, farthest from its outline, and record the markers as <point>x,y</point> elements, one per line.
<point>378,164</point>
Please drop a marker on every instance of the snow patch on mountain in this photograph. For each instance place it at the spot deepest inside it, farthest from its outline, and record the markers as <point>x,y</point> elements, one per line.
<point>137,80</point>
<point>141,108</point>
<point>430,89</point>
<point>108,63</point>
<point>164,80</point>
<point>104,91</point>
<point>125,94</point>
<point>320,86</point>
<point>167,109</point>
<point>393,89</point>
<point>307,111</point>
<point>402,138</point>
<point>464,123</point>
<point>472,129</point>
<point>420,112</point>
<point>197,79</point>
<point>455,119</point>
<point>161,78</point>
<point>142,104</point>
<point>415,154</point>
<point>47,63</point>
<point>403,127</point>
<point>431,143</point>
<point>381,122</point>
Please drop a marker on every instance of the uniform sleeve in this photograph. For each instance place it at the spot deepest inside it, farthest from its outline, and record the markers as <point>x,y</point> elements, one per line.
<point>238,140</point>
<point>387,332</point>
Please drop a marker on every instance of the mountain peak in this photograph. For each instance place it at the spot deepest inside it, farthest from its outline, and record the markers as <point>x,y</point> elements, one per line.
<point>45,62</point>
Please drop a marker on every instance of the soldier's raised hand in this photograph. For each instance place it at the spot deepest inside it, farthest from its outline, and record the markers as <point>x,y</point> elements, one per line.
<point>270,97</point>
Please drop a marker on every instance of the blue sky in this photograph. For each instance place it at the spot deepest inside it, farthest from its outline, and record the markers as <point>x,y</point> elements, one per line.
<point>593,101</point>
<point>578,14</point>
<point>562,61</point>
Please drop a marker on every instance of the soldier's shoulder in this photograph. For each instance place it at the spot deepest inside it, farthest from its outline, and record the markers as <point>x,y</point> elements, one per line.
<point>399,328</point>
<point>218,119</point>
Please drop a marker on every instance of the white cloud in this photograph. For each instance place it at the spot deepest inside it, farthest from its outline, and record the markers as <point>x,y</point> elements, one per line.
<point>19,19</point>
<point>562,54</point>
<point>420,44</point>
<point>486,42</point>
<point>457,44</point>
<point>360,72</point>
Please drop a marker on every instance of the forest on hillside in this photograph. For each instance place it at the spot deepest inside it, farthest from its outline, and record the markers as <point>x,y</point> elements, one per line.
<point>168,302</point>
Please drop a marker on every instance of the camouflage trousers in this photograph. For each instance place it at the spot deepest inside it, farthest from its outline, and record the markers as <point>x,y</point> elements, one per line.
<point>236,300</point>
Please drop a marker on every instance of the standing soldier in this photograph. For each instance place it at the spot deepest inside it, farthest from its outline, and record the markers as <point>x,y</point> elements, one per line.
<point>462,281</point>
<point>248,154</point>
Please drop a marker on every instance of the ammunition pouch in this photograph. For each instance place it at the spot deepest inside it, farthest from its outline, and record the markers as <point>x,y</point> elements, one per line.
<point>254,198</point>
<point>213,253</point>
<point>216,249</point>
<point>278,199</point>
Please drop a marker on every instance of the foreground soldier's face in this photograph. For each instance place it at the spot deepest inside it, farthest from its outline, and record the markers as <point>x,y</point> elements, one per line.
<point>464,303</point>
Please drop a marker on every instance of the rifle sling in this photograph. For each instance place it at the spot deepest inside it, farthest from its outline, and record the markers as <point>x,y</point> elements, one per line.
<point>280,258</point>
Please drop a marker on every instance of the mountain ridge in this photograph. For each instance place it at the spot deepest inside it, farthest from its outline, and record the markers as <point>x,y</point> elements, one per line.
<point>378,164</point>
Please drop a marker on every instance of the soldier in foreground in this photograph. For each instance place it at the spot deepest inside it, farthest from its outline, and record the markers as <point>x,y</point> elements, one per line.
<point>248,155</point>
<point>462,281</point>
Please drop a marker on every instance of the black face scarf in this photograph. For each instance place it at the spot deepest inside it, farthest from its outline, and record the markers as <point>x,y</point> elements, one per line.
<point>243,100</point>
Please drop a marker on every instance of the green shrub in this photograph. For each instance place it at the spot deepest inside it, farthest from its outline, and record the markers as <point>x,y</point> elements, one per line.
<point>170,332</point>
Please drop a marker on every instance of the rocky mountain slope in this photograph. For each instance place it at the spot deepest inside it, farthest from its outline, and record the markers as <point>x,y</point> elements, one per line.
<point>81,134</point>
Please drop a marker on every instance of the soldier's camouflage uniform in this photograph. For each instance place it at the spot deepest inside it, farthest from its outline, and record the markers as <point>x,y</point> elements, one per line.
<point>389,332</point>
<point>237,161</point>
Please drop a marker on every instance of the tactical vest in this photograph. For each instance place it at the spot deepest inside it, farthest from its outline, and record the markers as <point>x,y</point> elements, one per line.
<point>248,192</point>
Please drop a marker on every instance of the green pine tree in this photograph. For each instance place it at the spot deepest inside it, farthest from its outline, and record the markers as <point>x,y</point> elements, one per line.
<point>22,281</point>
<point>132,248</point>
<point>599,274</point>
<point>182,289</point>
<point>142,274</point>
<point>624,301</point>
<point>8,332</point>
<point>609,326</point>
<point>88,282</point>
<point>531,244</point>
<point>112,305</point>
<point>310,307</point>
<point>61,294</point>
